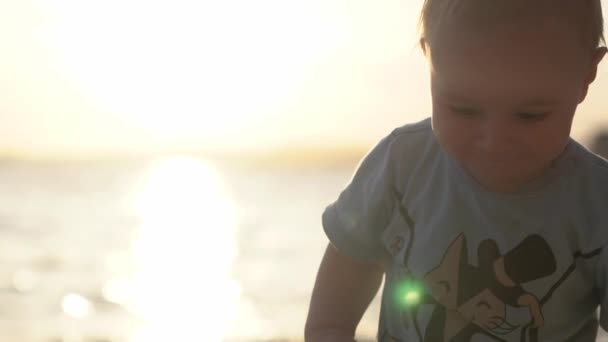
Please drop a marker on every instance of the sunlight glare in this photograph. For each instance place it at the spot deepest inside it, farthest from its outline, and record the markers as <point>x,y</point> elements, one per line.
<point>75,305</point>
<point>183,254</point>
<point>183,68</point>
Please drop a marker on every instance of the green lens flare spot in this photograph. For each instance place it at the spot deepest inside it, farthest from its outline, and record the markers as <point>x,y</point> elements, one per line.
<point>409,294</point>
<point>412,298</point>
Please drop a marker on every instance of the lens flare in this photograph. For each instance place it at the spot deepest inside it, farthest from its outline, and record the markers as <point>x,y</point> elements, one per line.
<point>410,294</point>
<point>412,297</point>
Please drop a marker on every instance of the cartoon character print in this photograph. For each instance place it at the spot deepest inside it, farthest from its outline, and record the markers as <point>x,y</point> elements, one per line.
<point>471,300</point>
<point>468,302</point>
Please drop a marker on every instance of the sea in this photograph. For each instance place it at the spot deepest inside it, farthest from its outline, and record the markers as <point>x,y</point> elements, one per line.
<point>165,248</point>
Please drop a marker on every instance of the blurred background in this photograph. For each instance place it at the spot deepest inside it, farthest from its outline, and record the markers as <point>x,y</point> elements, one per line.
<point>164,164</point>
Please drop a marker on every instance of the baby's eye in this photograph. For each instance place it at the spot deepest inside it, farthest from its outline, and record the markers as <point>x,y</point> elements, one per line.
<point>532,116</point>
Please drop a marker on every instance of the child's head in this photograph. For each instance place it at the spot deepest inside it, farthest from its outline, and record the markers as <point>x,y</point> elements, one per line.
<point>506,79</point>
<point>585,16</point>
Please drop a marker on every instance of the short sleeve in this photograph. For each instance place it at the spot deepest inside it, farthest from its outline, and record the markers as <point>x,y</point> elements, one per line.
<point>355,221</point>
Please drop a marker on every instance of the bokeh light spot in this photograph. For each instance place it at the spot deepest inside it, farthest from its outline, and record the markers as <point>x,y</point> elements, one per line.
<point>410,293</point>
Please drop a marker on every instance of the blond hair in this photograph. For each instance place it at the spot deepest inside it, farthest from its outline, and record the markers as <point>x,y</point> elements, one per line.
<point>585,14</point>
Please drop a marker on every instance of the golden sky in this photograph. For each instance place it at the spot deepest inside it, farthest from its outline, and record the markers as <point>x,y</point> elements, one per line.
<point>78,76</point>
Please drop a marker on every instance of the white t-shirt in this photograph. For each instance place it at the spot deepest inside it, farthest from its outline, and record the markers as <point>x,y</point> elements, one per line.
<point>466,264</point>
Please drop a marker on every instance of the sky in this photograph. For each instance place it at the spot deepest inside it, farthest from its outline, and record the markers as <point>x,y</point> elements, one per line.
<point>86,77</point>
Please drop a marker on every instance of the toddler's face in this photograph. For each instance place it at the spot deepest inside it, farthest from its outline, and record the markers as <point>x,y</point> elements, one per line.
<point>503,101</point>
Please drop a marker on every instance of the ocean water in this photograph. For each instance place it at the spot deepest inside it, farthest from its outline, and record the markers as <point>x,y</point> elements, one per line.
<point>166,249</point>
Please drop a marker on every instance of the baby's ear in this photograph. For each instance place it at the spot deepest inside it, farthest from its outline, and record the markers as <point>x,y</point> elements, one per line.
<point>596,59</point>
<point>423,46</point>
<point>600,53</point>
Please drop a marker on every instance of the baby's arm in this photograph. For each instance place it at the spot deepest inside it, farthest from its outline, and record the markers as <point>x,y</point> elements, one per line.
<point>343,290</point>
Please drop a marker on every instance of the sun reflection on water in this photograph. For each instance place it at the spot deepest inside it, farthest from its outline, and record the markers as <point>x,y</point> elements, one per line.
<point>182,287</point>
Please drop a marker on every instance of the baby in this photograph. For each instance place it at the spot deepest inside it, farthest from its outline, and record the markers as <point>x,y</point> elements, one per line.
<point>487,221</point>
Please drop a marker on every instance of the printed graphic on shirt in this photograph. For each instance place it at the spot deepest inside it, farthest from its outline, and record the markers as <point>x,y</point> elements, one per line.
<point>473,300</point>
<point>457,301</point>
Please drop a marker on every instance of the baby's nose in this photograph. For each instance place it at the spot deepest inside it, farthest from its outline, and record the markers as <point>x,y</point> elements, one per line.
<point>494,137</point>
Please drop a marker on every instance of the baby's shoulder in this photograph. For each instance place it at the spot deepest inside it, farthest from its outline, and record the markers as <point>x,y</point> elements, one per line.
<point>420,129</point>
<point>413,138</point>
<point>593,166</point>
<point>412,149</point>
